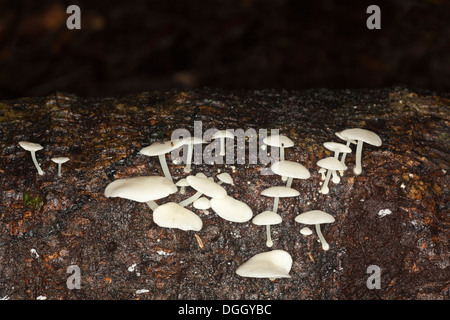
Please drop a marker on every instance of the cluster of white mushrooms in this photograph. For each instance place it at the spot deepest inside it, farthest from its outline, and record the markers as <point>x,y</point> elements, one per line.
<point>33,147</point>
<point>209,194</point>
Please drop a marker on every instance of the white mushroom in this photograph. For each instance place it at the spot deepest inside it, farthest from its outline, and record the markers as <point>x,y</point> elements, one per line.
<point>60,161</point>
<point>222,134</point>
<point>160,149</point>
<point>271,264</point>
<point>182,183</point>
<point>32,147</point>
<point>280,141</point>
<point>203,186</point>
<point>267,218</point>
<point>361,135</point>
<point>322,172</point>
<point>291,170</point>
<point>332,165</point>
<point>338,148</point>
<point>172,215</point>
<point>225,177</point>
<point>279,192</point>
<point>202,203</point>
<point>306,231</point>
<point>316,217</point>
<point>231,209</point>
<point>141,189</point>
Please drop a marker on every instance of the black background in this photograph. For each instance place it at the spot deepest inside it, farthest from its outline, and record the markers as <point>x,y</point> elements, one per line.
<point>126,47</point>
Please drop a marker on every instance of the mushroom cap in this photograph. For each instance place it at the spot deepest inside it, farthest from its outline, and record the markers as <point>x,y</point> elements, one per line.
<point>172,215</point>
<point>278,140</point>
<point>225,178</point>
<point>267,218</point>
<point>223,134</point>
<point>141,189</point>
<point>207,187</point>
<point>202,203</point>
<point>231,209</point>
<point>190,141</point>
<point>271,264</point>
<point>280,192</point>
<point>159,148</point>
<point>306,231</point>
<point>30,146</point>
<point>314,217</point>
<point>182,183</point>
<point>337,147</point>
<point>60,159</point>
<point>364,135</point>
<point>331,163</point>
<point>290,169</point>
<point>339,135</point>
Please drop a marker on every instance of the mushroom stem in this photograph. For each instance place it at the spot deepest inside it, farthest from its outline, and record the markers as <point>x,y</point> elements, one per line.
<point>191,199</point>
<point>152,205</point>
<point>289,182</point>
<point>182,190</point>
<point>275,204</point>
<point>59,169</point>
<point>325,245</point>
<point>190,150</point>
<point>269,241</point>
<point>344,155</point>
<point>358,168</point>
<point>33,156</point>
<point>165,168</point>
<point>325,188</point>
<point>283,178</point>
<point>222,146</point>
<point>336,179</point>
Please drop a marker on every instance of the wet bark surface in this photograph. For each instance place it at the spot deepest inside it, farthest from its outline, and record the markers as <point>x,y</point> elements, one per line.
<point>48,223</point>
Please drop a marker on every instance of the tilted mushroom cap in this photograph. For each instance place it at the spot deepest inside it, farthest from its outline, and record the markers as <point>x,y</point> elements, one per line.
<point>202,203</point>
<point>331,163</point>
<point>314,217</point>
<point>339,135</point>
<point>141,189</point>
<point>225,178</point>
<point>30,146</point>
<point>280,192</point>
<point>172,215</point>
<point>337,147</point>
<point>207,187</point>
<point>306,231</point>
<point>290,169</point>
<point>231,209</point>
<point>271,264</point>
<point>267,218</point>
<point>60,159</point>
<point>278,140</point>
<point>364,135</point>
<point>159,148</point>
<point>182,183</point>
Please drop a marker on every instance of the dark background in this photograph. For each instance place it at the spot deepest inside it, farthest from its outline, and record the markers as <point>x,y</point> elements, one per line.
<point>133,46</point>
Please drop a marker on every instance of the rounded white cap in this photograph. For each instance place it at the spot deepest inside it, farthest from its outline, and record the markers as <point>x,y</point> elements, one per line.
<point>339,135</point>
<point>172,215</point>
<point>231,209</point>
<point>331,163</point>
<point>280,192</point>
<point>159,148</point>
<point>364,135</point>
<point>202,203</point>
<point>314,217</point>
<point>182,183</point>
<point>30,146</point>
<point>337,147</point>
<point>290,169</point>
<point>60,159</point>
<point>207,187</point>
<point>225,178</point>
<point>306,231</point>
<point>267,218</point>
<point>278,140</point>
<point>271,264</point>
<point>141,189</point>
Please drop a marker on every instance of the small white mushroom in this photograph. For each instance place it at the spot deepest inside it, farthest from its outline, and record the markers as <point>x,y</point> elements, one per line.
<point>306,231</point>
<point>202,203</point>
<point>33,147</point>
<point>291,170</point>
<point>280,141</point>
<point>271,264</point>
<point>267,218</point>
<point>225,177</point>
<point>222,134</point>
<point>60,161</point>
<point>332,165</point>
<point>203,186</point>
<point>322,172</point>
<point>316,217</point>
<point>338,148</point>
<point>231,209</point>
<point>141,189</point>
<point>361,135</point>
<point>172,215</point>
<point>160,149</point>
<point>182,183</point>
<point>279,192</point>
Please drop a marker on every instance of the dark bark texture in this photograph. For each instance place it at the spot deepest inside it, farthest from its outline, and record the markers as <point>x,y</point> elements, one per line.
<point>48,223</point>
